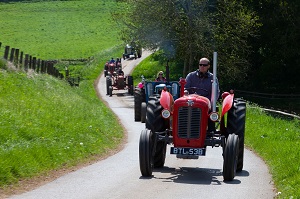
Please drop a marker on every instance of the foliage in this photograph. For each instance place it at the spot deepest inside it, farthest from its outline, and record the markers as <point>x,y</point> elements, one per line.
<point>276,57</point>
<point>188,30</point>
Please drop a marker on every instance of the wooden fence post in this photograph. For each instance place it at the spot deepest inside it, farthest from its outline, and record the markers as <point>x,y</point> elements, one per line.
<point>26,62</point>
<point>43,66</point>
<point>34,63</point>
<point>38,66</point>
<point>21,59</point>
<point>17,58</point>
<point>12,53</point>
<point>6,52</point>
<point>30,61</point>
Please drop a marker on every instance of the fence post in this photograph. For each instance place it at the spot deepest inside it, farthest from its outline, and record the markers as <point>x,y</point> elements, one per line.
<point>17,58</point>
<point>12,53</point>
<point>38,65</point>
<point>26,62</point>
<point>43,66</point>
<point>34,63</point>
<point>30,61</point>
<point>6,52</point>
<point>21,59</point>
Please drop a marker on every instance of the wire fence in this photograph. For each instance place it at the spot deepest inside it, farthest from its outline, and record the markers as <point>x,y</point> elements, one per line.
<point>28,62</point>
<point>288,104</point>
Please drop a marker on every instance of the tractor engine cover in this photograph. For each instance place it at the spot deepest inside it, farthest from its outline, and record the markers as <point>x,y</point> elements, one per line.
<point>190,118</point>
<point>121,82</point>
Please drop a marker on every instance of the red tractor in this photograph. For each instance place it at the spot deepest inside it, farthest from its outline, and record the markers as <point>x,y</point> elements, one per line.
<point>183,123</point>
<point>115,79</point>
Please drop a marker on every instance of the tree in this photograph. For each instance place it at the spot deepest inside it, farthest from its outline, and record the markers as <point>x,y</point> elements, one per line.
<point>189,29</point>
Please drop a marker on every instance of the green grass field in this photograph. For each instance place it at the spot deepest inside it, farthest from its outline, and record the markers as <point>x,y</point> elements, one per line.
<point>46,125</point>
<point>59,29</point>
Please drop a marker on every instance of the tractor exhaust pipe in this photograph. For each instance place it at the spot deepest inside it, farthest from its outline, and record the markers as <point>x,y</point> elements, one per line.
<point>214,84</point>
<point>167,72</point>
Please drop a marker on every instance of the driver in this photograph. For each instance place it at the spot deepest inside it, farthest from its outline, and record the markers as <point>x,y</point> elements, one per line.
<point>202,79</point>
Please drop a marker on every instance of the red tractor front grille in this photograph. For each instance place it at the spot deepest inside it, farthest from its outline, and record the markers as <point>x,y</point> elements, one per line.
<point>189,120</point>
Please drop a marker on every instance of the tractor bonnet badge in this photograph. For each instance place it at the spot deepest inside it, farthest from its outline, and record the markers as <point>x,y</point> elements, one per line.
<point>190,102</point>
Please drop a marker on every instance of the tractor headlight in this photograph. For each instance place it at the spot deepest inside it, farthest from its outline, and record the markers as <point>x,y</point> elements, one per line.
<point>165,113</point>
<point>214,116</point>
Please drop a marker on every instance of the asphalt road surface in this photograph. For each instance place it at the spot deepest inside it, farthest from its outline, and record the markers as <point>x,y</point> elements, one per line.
<point>119,176</point>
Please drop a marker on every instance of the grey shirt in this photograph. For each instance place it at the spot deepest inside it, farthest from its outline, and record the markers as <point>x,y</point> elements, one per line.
<point>201,81</point>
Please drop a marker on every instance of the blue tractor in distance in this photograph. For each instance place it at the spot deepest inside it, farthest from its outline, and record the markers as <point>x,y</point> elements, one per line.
<point>151,90</point>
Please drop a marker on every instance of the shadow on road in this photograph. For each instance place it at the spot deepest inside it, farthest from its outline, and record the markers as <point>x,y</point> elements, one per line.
<point>189,175</point>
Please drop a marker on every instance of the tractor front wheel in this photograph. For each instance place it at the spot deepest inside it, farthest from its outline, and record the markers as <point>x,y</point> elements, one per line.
<point>230,157</point>
<point>236,124</point>
<point>145,153</point>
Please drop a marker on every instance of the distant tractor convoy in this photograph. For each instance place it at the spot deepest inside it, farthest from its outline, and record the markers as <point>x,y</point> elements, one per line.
<point>177,116</point>
<point>115,79</point>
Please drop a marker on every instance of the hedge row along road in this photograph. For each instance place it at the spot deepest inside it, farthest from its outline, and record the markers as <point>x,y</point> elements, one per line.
<point>119,175</point>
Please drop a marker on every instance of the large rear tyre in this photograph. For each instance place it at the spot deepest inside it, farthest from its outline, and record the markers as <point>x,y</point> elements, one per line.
<point>154,120</point>
<point>130,85</point>
<point>156,123</point>
<point>110,89</point>
<point>236,119</point>
<point>137,104</point>
<point>230,157</point>
<point>143,112</point>
<point>145,153</point>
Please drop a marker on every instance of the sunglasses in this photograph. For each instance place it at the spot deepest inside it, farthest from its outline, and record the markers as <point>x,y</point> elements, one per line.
<point>160,74</point>
<point>203,64</point>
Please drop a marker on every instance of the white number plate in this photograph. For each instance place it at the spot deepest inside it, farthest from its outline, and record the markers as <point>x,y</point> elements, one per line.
<point>188,151</point>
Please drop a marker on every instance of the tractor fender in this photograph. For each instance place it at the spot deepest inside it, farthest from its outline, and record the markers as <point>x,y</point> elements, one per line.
<point>166,100</point>
<point>227,102</point>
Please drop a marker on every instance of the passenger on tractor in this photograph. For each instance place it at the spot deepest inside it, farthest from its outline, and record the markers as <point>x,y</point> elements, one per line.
<point>112,61</point>
<point>118,64</point>
<point>160,77</point>
<point>201,79</point>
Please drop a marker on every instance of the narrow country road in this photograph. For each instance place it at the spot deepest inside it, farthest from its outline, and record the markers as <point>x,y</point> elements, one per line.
<point>119,176</point>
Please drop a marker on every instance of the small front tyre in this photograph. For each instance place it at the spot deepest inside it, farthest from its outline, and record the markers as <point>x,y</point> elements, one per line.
<point>230,155</point>
<point>145,153</point>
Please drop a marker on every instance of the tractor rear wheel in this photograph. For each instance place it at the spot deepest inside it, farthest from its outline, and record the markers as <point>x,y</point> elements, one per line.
<point>137,104</point>
<point>145,153</point>
<point>230,157</point>
<point>156,123</point>
<point>143,112</point>
<point>110,89</point>
<point>130,84</point>
<point>108,84</point>
<point>236,118</point>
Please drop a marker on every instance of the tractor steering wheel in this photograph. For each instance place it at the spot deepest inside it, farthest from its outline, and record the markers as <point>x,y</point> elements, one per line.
<point>199,91</point>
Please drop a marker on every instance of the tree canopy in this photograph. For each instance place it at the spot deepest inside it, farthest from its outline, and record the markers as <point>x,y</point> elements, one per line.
<point>256,40</point>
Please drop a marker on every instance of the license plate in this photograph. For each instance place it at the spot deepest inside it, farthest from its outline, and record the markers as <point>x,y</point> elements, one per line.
<point>188,151</point>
